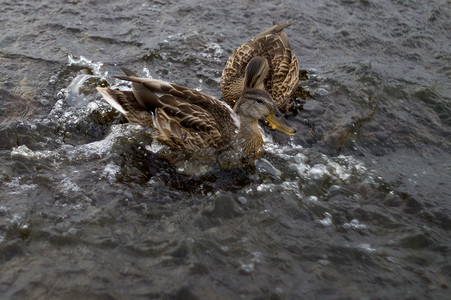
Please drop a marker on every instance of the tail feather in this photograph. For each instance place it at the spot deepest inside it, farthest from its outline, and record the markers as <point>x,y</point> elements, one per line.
<point>129,74</point>
<point>126,103</point>
<point>276,28</point>
<point>112,99</point>
<point>126,78</point>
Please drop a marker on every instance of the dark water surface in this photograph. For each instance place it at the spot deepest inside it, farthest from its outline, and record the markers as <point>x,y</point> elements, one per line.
<point>356,206</point>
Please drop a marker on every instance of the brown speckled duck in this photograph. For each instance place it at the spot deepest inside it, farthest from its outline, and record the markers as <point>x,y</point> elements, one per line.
<point>190,121</point>
<point>276,70</point>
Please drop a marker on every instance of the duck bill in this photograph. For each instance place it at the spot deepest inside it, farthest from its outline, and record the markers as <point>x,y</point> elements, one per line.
<point>276,120</point>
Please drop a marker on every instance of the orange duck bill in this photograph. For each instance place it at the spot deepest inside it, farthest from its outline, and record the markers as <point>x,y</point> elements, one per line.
<point>276,120</point>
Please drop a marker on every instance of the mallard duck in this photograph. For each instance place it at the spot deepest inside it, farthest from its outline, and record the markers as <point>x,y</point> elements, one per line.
<point>190,121</point>
<point>277,72</point>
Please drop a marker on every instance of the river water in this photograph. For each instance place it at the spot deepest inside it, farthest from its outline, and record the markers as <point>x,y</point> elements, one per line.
<point>356,205</point>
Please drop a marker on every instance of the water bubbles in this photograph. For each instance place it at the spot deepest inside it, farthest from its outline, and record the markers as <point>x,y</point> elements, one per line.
<point>391,259</point>
<point>334,189</point>
<point>67,186</point>
<point>23,151</point>
<point>322,91</point>
<point>327,221</point>
<point>81,89</point>
<point>242,200</point>
<point>213,51</point>
<point>16,219</point>
<point>154,147</point>
<point>100,148</point>
<point>324,262</point>
<point>299,168</point>
<point>246,269</point>
<point>83,61</point>
<point>17,187</point>
<point>318,173</point>
<point>78,206</point>
<point>256,256</point>
<point>3,210</point>
<point>266,187</point>
<point>311,198</point>
<point>266,168</point>
<point>370,181</point>
<point>110,172</point>
<point>217,50</point>
<point>53,79</point>
<point>146,72</point>
<point>366,247</point>
<point>72,231</point>
<point>290,185</point>
<point>92,106</point>
<point>354,224</point>
<point>74,95</point>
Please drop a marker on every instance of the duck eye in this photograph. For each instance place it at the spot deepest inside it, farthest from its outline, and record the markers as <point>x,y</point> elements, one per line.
<point>259,100</point>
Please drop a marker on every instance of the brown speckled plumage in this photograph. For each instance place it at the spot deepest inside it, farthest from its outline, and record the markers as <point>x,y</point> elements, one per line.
<point>283,74</point>
<point>190,121</point>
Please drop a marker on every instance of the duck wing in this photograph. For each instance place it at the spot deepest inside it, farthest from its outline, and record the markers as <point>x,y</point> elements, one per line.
<point>185,118</point>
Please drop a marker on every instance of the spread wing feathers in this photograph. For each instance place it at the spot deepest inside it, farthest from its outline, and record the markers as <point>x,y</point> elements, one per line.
<point>126,103</point>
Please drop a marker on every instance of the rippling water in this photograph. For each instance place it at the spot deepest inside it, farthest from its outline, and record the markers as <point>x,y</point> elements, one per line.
<point>356,205</point>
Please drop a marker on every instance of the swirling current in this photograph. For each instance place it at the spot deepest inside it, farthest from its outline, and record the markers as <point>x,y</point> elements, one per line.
<point>356,205</point>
